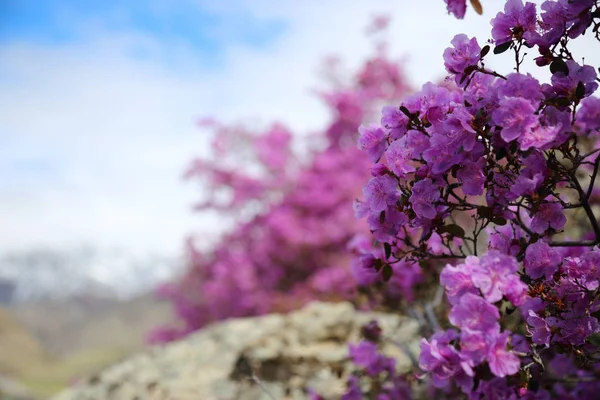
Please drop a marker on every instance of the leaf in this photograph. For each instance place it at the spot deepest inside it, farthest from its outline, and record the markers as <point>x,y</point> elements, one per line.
<point>453,230</point>
<point>594,339</point>
<point>484,212</point>
<point>501,48</point>
<point>499,221</point>
<point>378,264</point>
<point>387,272</point>
<point>477,6</point>
<point>470,69</point>
<point>388,250</point>
<point>559,65</point>
<point>484,51</point>
<point>562,102</point>
<point>580,91</point>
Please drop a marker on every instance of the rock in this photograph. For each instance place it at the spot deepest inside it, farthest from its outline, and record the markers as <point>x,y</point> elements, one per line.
<point>11,390</point>
<point>268,357</point>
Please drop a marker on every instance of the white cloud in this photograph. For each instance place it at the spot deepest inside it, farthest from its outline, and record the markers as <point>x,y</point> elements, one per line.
<point>116,131</point>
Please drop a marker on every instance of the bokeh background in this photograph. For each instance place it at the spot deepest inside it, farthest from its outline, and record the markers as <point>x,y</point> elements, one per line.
<point>99,104</point>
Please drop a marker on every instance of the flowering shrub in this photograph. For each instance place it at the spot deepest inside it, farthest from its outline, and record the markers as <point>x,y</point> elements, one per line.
<point>292,248</point>
<point>487,183</point>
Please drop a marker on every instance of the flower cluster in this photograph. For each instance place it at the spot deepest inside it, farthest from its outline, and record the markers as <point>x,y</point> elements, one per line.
<point>487,181</point>
<point>376,370</point>
<point>472,289</point>
<point>289,245</point>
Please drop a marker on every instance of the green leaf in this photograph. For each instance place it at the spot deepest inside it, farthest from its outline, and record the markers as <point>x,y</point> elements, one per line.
<point>484,51</point>
<point>378,264</point>
<point>499,221</point>
<point>502,47</point>
<point>559,65</point>
<point>594,339</point>
<point>453,230</point>
<point>388,250</point>
<point>387,272</point>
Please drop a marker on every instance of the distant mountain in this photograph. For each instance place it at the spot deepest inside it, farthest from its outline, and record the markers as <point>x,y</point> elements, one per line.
<point>47,273</point>
<point>66,326</point>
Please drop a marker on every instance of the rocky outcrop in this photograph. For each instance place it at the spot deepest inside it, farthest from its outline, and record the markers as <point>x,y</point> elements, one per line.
<point>269,357</point>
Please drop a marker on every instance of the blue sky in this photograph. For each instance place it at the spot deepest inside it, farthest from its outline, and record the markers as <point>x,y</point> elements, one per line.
<point>207,31</point>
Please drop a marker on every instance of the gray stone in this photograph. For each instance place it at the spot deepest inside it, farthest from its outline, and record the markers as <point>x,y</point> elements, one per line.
<point>272,356</point>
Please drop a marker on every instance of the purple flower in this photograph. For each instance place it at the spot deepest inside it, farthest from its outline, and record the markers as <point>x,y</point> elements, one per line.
<point>566,85</point>
<point>474,345</point>
<point>442,359</point>
<point>540,260</point>
<point>457,280</point>
<point>404,278</point>
<point>578,14</point>
<point>521,85</point>
<point>496,277</point>
<point>423,198</point>
<point>394,120</point>
<point>537,327</point>
<point>588,116</point>
<point>502,362</point>
<point>575,331</point>
<point>472,178</point>
<point>387,229</point>
<point>515,116</point>
<point>515,21</point>
<point>417,142</point>
<point>353,391</point>
<point>549,215</point>
<point>475,313</point>
<point>464,54</point>
<point>539,137</point>
<point>367,356</point>
<point>380,192</point>
<point>372,139</point>
<point>457,7</point>
<point>398,156</point>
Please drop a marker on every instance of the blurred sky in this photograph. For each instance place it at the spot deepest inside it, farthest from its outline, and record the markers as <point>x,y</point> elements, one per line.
<point>98,100</point>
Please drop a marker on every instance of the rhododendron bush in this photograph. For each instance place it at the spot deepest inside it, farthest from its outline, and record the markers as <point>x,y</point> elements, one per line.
<point>289,245</point>
<point>488,183</point>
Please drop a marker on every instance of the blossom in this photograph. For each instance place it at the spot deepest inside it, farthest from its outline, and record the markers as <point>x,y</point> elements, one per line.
<point>541,260</point>
<point>372,139</point>
<point>457,8</point>
<point>465,53</point>
<point>516,20</point>
<point>549,215</point>
<point>502,362</point>
<point>576,330</point>
<point>538,328</point>
<point>566,84</point>
<point>457,280</point>
<point>423,198</point>
<point>495,276</point>
<point>521,85</point>
<point>398,156</point>
<point>380,192</point>
<point>386,229</point>
<point>475,313</point>
<point>515,116</point>
<point>472,178</point>
<point>367,355</point>
<point>394,120</point>
<point>442,359</point>
<point>588,116</point>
